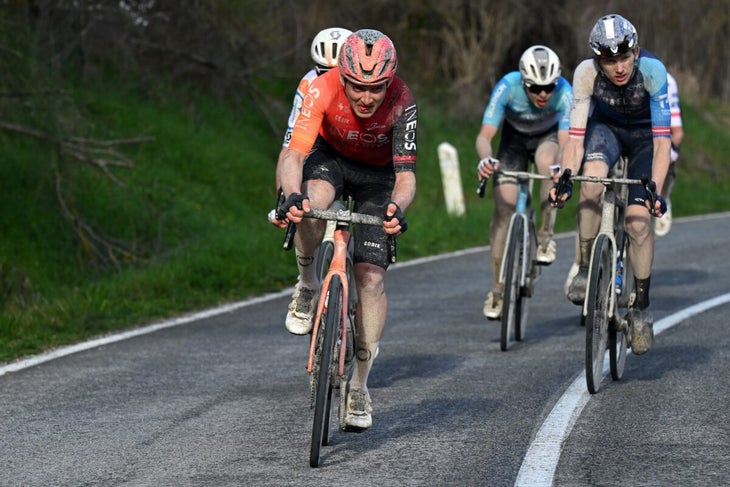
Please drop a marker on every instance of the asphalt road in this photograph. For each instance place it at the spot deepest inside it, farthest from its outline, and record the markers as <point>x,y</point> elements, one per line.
<point>221,399</point>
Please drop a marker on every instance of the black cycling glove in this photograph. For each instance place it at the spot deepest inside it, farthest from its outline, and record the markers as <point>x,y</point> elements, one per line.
<point>399,215</point>
<point>562,187</point>
<point>294,199</point>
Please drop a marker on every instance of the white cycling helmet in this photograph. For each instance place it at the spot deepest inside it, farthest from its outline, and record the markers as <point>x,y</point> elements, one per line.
<point>539,65</point>
<point>326,47</point>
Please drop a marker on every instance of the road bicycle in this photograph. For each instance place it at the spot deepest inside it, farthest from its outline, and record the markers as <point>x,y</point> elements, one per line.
<point>332,344</point>
<point>610,278</point>
<point>520,270</point>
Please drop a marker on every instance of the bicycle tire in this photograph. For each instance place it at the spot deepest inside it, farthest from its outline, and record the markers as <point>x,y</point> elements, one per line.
<point>597,319</point>
<point>323,394</point>
<point>512,297</point>
<point>325,251</point>
<point>618,346</point>
<point>618,342</point>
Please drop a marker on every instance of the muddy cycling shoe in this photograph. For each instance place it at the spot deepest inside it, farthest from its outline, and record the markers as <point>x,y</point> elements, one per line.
<point>571,274</point>
<point>577,289</point>
<point>301,310</point>
<point>641,325</point>
<point>546,251</point>
<point>359,411</point>
<point>493,305</point>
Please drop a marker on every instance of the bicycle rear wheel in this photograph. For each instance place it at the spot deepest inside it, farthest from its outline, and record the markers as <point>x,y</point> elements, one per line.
<point>331,323</point>
<point>597,318</point>
<point>512,299</point>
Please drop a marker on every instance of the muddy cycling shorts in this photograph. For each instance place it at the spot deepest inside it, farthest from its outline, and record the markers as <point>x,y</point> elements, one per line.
<point>517,149</point>
<point>606,141</point>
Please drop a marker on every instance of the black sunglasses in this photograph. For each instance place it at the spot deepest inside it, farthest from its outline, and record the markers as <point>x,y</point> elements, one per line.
<point>536,89</point>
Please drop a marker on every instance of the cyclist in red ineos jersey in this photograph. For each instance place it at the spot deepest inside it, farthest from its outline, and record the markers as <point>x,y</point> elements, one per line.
<point>356,133</point>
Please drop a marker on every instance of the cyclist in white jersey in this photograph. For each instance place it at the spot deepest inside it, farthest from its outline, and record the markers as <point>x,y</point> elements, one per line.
<point>324,50</point>
<point>533,107</point>
<point>664,224</point>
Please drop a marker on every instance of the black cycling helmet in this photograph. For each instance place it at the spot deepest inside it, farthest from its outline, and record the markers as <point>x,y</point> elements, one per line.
<point>612,36</point>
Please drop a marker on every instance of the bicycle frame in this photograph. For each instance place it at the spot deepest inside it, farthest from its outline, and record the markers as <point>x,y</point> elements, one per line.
<point>607,228</point>
<point>524,185</point>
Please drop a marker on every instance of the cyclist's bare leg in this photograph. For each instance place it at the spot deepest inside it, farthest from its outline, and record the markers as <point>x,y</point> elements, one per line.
<point>641,250</point>
<point>545,156</point>
<point>589,206</point>
<point>589,222</point>
<point>310,231</point>
<point>372,309</point>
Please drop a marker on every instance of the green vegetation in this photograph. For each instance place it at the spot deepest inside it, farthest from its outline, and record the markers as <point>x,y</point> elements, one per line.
<point>192,210</point>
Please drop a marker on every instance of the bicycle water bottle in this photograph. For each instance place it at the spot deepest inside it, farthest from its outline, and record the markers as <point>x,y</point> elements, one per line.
<point>619,275</point>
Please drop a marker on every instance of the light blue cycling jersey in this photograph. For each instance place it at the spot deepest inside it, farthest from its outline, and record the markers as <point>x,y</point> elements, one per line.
<point>509,101</point>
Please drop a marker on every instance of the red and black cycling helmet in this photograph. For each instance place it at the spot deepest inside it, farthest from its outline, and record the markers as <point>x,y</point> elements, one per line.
<point>612,36</point>
<point>367,57</point>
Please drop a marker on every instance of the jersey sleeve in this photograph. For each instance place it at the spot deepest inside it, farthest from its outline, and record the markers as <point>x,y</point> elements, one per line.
<point>655,77</point>
<point>565,104</point>
<point>302,88</point>
<point>404,135</point>
<point>494,111</point>
<point>311,115</point>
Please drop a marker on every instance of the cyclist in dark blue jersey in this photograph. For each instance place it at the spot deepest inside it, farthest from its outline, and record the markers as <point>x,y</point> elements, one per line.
<point>620,108</point>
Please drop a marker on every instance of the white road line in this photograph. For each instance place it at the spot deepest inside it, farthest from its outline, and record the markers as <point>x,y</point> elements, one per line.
<point>228,308</point>
<point>117,337</point>
<point>541,459</point>
<point>104,340</point>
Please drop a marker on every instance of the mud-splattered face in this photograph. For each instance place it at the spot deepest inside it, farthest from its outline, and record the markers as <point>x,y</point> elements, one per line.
<point>619,69</point>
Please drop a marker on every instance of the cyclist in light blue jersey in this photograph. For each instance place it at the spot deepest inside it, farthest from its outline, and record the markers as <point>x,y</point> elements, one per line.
<point>620,108</point>
<point>533,107</point>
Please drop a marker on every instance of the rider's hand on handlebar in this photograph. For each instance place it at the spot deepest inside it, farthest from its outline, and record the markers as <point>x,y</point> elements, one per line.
<point>660,207</point>
<point>562,190</point>
<point>395,220</point>
<point>293,208</point>
<point>486,167</point>
<point>656,204</point>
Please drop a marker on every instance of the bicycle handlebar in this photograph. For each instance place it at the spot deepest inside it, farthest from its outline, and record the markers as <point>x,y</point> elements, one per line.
<point>344,216</point>
<point>522,175</point>
<point>596,179</point>
<point>341,216</point>
<point>648,185</point>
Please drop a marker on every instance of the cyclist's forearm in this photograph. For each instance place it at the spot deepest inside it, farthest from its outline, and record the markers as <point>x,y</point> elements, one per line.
<point>484,141</point>
<point>572,155</point>
<point>404,189</point>
<point>289,172</point>
<point>660,162</point>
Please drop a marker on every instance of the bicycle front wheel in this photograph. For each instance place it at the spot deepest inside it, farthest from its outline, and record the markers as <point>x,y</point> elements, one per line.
<point>328,328</point>
<point>597,317</point>
<point>325,251</point>
<point>512,298</point>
